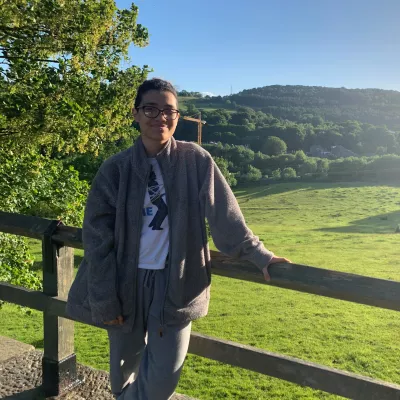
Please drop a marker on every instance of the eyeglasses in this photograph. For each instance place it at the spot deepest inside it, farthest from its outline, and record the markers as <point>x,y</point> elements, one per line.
<point>154,112</point>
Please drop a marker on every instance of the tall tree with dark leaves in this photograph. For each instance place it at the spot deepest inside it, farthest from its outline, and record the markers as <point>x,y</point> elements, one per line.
<point>61,86</point>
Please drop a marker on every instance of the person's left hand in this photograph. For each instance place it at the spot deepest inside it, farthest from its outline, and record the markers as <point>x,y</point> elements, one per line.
<point>274,260</point>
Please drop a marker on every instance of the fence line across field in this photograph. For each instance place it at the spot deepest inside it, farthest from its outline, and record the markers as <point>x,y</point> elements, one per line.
<point>59,360</point>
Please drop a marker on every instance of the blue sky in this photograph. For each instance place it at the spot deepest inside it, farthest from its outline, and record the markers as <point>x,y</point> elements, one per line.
<point>207,46</point>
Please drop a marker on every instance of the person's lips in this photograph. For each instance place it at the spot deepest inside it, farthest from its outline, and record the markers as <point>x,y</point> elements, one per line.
<point>160,127</point>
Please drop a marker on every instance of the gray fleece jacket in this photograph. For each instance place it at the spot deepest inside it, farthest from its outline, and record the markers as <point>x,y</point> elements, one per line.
<point>105,285</point>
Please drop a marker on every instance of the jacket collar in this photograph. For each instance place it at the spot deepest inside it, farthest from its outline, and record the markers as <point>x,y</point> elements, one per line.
<point>167,158</point>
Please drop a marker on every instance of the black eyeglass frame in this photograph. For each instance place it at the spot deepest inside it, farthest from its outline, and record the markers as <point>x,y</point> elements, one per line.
<point>159,112</point>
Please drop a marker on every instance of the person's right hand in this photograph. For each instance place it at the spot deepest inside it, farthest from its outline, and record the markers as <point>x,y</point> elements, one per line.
<point>118,321</point>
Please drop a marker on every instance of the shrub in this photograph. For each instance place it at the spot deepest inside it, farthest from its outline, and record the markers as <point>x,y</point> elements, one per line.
<point>308,166</point>
<point>288,173</point>
<point>274,146</point>
<point>223,166</point>
<point>16,263</point>
<point>35,185</point>
<point>276,174</point>
<point>252,175</point>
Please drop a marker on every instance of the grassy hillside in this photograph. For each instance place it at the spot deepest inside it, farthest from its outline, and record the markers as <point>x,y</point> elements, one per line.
<point>346,227</point>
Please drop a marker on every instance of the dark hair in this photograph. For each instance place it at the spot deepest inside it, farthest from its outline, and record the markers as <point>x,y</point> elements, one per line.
<point>154,84</point>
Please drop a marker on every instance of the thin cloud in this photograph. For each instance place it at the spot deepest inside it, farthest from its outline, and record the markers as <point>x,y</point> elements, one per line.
<point>208,94</point>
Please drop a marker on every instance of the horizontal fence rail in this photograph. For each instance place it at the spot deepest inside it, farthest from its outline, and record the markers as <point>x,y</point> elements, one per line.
<point>376,292</point>
<point>291,369</point>
<point>338,285</point>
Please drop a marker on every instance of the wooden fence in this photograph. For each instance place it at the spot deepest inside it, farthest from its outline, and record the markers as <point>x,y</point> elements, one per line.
<point>59,361</point>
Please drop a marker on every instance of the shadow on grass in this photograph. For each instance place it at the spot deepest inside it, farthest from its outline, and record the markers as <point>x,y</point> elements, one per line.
<point>253,192</point>
<point>381,224</point>
<point>37,265</point>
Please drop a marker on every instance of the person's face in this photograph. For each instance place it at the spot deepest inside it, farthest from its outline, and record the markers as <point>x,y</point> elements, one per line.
<point>162,127</point>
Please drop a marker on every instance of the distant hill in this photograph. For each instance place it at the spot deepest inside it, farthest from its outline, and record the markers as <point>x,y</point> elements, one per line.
<point>362,121</point>
<point>305,103</point>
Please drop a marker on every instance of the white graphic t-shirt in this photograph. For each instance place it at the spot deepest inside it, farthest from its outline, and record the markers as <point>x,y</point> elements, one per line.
<point>154,240</point>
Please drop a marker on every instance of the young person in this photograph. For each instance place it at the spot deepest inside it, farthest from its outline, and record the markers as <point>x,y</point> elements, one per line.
<point>146,270</point>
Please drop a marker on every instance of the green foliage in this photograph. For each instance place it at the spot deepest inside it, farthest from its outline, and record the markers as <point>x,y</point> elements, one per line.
<point>303,117</point>
<point>61,89</point>
<point>300,157</point>
<point>224,137</point>
<point>239,156</point>
<point>308,166</point>
<point>16,263</point>
<point>314,103</point>
<point>88,164</point>
<point>274,146</point>
<point>35,185</point>
<point>374,137</point>
<point>251,175</point>
<point>322,166</point>
<point>276,174</point>
<point>223,166</point>
<point>289,173</point>
<point>61,92</point>
<point>287,166</point>
<point>192,111</point>
<point>216,117</point>
<point>385,162</point>
<point>185,93</point>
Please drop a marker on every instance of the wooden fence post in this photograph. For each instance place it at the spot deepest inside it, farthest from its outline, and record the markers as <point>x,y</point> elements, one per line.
<point>59,360</point>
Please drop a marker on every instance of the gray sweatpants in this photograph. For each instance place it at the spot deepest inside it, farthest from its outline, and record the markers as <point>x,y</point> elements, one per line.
<point>148,368</point>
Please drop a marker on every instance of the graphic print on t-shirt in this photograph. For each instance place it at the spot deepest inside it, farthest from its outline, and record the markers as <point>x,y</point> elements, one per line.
<point>156,198</point>
<point>154,237</point>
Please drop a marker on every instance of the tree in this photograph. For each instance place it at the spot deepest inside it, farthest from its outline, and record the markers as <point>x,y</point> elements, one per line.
<point>274,146</point>
<point>241,156</point>
<point>217,117</point>
<point>61,87</point>
<point>329,137</point>
<point>288,173</point>
<point>223,166</point>
<point>192,110</point>
<point>378,136</point>
<point>300,157</point>
<point>322,166</point>
<point>308,166</point>
<point>224,137</point>
<point>252,174</point>
<point>243,116</point>
<point>276,174</point>
<point>35,185</point>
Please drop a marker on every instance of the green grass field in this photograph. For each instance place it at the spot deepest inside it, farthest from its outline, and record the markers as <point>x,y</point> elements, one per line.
<point>345,227</point>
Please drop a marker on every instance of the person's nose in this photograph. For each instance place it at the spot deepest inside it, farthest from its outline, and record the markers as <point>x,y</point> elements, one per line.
<point>161,117</point>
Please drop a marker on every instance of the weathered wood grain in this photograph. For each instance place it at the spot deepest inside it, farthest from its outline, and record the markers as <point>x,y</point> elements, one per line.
<point>68,236</point>
<point>32,299</point>
<point>338,285</point>
<point>23,225</point>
